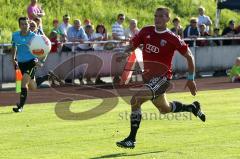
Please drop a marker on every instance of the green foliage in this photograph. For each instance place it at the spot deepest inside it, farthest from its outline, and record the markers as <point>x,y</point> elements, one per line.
<point>105,11</point>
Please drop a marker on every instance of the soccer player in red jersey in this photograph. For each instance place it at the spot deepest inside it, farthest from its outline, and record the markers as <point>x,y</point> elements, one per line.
<point>159,45</point>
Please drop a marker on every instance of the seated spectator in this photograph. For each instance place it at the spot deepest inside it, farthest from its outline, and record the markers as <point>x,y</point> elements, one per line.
<point>33,26</point>
<point>76,33</point>
<point>39,27</point>
<point>203,33</point>
<point>191,31</point>
<point>117,28</point>
<point>90,33</point>
<point>177,28</point>
<point>92,37</point>
<point>56,45</point>
<point>101,31</point>
<point>204,19</point>
<point>234,73</point>
<point>34,10</point>
<point>229,32</point>
<point>216,34</point>
<point>132,30</point>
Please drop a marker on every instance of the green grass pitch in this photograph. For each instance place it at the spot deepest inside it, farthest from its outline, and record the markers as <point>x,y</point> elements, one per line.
<point>39,133</point>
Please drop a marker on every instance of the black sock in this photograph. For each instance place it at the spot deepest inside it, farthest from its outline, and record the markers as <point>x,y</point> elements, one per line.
<point>180,107</point>
<point>135,118</point>
<point>23,96</point>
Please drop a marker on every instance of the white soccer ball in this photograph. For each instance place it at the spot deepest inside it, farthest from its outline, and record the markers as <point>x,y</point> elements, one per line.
<point>40,46</point>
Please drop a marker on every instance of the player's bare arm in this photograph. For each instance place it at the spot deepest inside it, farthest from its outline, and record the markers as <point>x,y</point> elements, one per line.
<point>14,52</point>
<point>191,72</point>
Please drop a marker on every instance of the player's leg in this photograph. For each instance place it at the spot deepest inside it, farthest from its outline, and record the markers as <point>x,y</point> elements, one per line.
<point>23,95</point>
<point>135,118</point>
<point>28,71</point>
<point>175,106</point>
<point>32,84</point>
<point>162,104</point>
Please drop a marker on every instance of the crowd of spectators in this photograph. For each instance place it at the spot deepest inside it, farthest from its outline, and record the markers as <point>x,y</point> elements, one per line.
<point>200,26</point>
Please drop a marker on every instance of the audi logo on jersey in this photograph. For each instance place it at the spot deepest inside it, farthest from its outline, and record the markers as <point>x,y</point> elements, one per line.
<point>152,49</point>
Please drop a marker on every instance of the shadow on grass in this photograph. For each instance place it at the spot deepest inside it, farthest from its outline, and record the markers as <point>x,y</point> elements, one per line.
<point>125,154</point>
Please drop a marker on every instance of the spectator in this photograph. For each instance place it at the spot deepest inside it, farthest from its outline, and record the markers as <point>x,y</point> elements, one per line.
<point>118,34</point>
<point>33,26</point>
<point>60,34</point>
<point>39,27</point>
<point>234,73</point>
<point>101,31</point>
<point>117,28</point>
<point>204,19</point>
<point>229,32</point>
<point>34,10</point>
<point>216,34</point>
<point>76,33</point>
<point>90,33</point>
<point>65,25</point>
<point>191,31</point>
<point>203,33</point>
<point>87,22</point>
<point>177,29</point>
<point>56,45</point>
<point>56,27</point>
<point>132,30</point>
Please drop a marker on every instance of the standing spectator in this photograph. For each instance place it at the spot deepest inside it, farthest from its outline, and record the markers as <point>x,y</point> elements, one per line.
<point>117,28</point>
<point>204,19</point>
<point>177,28</point>
<point>118,34</point>
<point>229,32</point>
<point>191,31</point>
<point>65,24</point>
<point>102,31</point>
<point>132,30</point>
<point>34,10</point>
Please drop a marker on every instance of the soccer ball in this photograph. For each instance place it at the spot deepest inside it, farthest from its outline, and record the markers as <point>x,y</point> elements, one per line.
<point>40,46</point>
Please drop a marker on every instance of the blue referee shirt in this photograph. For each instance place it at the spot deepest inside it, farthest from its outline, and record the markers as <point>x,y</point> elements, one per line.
<point>22,44</point>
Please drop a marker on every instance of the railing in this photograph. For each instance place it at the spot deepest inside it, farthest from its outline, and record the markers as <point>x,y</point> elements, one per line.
<point>194,40</point>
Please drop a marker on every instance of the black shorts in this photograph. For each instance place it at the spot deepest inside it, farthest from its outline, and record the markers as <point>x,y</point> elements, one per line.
<point>158,86</point>
<point>28,68</point>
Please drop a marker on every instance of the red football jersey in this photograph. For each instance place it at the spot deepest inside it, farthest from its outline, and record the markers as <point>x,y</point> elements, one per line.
<point>158,50</point>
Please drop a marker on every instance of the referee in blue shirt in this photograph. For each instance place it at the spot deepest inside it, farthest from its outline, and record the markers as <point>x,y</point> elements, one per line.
<point>24,59</point>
